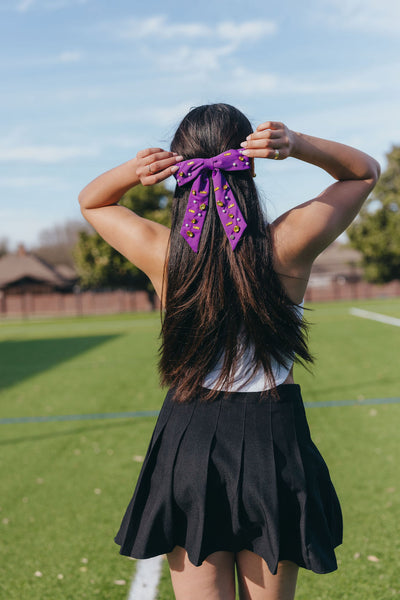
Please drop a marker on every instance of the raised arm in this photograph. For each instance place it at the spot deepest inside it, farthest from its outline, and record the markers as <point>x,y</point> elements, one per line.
<point>304,231</point>
<point>141,241</point>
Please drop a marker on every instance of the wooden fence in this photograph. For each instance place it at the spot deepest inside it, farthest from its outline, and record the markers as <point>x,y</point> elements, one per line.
<point>120,301</point>
<point>358,290</point>
<point>83,303</point>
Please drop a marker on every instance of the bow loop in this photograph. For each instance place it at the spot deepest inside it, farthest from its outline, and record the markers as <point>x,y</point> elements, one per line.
<point>197,170</point>
<point>190,170</point>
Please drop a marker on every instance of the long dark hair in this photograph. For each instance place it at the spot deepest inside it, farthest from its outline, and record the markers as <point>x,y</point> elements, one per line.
<point>218,297</point>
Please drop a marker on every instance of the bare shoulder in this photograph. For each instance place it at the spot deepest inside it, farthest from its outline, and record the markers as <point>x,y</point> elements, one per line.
<point>142,241</point>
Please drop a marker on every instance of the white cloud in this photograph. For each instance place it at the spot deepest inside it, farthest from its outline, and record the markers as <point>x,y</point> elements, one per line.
<point>26,5</point>
<point>192,61</point>
<point>246,31</point>
<point>328,85</point>
<point>249,82</point>
<point>140,121</point>
<point>356,124</point>
<point>46,154</point>
<point>14,136</point>
<point>368,16</point>
<point>190,50</point>
<point>165,115</point>
<point>69,57</point>
<point>371,80</point>
<point>61,58</point>
<point>160,28</point>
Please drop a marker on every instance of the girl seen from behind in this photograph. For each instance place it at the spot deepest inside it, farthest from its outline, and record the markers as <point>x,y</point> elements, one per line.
<point>231,475</point>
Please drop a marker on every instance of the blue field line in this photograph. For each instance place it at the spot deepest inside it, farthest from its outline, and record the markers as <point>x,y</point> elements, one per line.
<point>155,413</point>
<point>91,417</point>
<point>323,403</point>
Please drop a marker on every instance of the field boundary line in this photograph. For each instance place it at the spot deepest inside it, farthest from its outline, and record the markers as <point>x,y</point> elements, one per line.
<point>155,413</point>
<point>373,316</point>
<point>145,582</point>
<point>88,417</point>
<point>364,401</point>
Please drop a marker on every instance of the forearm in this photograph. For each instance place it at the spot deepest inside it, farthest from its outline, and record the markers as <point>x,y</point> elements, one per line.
<point>341,161</point>
<point>109,187</point>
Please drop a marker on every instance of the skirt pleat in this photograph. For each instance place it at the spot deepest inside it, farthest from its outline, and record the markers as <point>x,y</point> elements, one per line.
<point>240,472</point>
<point>259,506</point>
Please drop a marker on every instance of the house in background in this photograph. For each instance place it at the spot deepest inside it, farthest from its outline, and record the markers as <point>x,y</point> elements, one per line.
<point>338,264</point>
<point>30,286</point>
<point>23,272</point>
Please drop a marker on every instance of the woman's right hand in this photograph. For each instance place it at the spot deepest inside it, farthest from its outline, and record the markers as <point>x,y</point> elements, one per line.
<point>155,164</point>
<point>271,139</point>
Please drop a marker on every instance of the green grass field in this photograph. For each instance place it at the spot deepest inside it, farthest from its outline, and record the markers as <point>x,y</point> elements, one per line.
<point>65,485</point>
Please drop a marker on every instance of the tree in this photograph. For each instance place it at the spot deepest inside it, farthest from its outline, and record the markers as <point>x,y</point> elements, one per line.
<point>4,246</point>
<point>101,266</point>
<point>56,243</point>
<point>376,231</point>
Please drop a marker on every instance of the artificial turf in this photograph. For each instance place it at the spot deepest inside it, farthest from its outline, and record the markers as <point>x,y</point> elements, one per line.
<point>66,485</point>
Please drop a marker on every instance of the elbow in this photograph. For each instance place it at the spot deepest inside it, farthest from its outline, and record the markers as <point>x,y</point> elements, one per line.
<point>374,171</point>
<point>376,168</point>
<point>81,199</point>
<point>84,200</point>
<point>83,207</point>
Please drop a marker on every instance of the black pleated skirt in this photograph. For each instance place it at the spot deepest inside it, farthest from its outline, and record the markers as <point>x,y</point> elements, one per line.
<point>240,472</point>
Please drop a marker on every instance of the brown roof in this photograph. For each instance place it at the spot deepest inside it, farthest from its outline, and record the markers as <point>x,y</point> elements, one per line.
<point>338,258</point>
<point>14,267</point>
<point>66,272</point>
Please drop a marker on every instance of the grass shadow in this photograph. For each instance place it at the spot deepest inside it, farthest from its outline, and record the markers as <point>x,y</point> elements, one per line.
<point>21,359</point>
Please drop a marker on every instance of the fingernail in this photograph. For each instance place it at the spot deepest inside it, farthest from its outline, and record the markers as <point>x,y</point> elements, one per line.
<point>246,152</point>
<point>174,169</point>
<point>178,158</point>
<point>175,153</point>
<point>244,144</point>
<point>248,137</point>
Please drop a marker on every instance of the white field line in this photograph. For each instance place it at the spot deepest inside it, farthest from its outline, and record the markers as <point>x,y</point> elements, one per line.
<point>145,583</point>
<point>366,314</point>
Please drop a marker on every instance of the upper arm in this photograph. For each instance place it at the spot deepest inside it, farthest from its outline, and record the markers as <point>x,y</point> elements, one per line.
<point>143,242</point>
<point>303,232</point>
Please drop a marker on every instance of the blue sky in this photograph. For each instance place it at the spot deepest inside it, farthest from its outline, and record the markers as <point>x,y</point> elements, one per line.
<point>85,84</point>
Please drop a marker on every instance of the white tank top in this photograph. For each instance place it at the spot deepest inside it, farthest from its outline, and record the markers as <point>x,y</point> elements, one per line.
<point>244,368</point>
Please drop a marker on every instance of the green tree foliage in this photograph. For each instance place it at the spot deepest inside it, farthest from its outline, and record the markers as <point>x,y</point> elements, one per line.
<point>101,266</point>
<point>376,232</point>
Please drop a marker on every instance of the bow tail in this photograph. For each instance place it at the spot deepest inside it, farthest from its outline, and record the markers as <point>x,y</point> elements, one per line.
<point>228,210</point>
<point>196,211</point>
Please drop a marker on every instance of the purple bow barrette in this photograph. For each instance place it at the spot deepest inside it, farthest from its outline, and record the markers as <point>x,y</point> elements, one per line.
<point>196,170</point>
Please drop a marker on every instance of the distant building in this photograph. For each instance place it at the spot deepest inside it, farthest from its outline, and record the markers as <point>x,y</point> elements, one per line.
<point>337,264</point>
<point>24,272</point>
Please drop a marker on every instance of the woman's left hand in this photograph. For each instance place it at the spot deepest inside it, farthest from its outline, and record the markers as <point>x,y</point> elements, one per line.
<point>155,165</point>
<point>270,140</point>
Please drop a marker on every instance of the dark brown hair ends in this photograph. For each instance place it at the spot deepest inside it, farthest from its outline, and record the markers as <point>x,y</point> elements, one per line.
<point>218,297</point>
